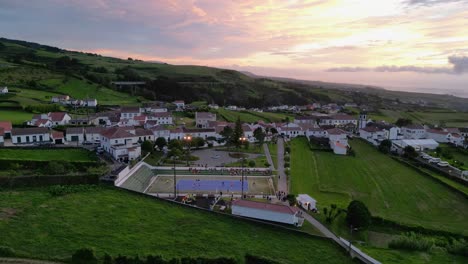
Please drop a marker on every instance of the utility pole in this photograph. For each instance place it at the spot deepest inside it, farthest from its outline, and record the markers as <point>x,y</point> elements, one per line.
<point>175,177</point>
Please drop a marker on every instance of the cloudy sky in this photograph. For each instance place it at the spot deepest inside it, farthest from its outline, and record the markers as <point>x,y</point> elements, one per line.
<point>402,44</point>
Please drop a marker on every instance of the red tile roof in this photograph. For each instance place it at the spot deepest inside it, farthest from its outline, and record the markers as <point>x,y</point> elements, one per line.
<point>116,132</point>
<point>372,129</point>
<point>6,125</point>
<point>29,131</point>
<point>335,131</point>
<point>2,131</point>
<point>56,116</point>
<point>267,207</point>
<point>57,135</point>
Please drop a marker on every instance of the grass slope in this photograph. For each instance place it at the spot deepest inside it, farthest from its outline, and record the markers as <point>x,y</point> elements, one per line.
<point>390,189</point>
<point>75,155</point>
<point>16,117</point>
<point>116,222</point>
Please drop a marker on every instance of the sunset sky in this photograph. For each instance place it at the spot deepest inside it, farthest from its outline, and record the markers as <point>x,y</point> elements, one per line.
<point>402,44</point>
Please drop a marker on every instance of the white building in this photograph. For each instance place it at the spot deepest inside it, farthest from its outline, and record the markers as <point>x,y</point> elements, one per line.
<point>310,120</point>
<point>338,120</point>
<point>338,141</point>
<point>202,119</point>
<point>269,212</point>
<point>161,131</point>
<point>75,135</point>
<point>162,118</point>
<point>3,90</point>
<point>2,136</point>
<point>413,131</point>
<point>121,143</point>
<point>30,135</point>
<point>129,112</point>
<point>306,202</point>
<point>93,134</point>
<point>7,127</point>
<point>90,102</point>
<point>316,132</point>
<point>417,144</point>
<point>373,134</point>
<point>180,105</point>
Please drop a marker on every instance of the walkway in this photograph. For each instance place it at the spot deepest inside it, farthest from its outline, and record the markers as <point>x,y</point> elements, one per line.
<point>353,251</point>
<point>268,156</point>
<point>282,178</point>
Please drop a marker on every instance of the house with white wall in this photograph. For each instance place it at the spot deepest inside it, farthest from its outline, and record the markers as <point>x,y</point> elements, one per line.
<point>202,119</point>
<point>121,143</point>
<point>75,135</point>
<point>179,104</point>
<point>129,112</point>
<point>414,131</point>
<point>93,134</point>
<point>2,136</point>
<point>30,135</point>
<point>373,134</point>
<point>162,118</point>
<point>3,90</point>
<point>338,140</point>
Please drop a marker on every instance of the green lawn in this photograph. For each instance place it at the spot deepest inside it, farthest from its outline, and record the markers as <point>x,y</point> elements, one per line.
<point>390,189</point>
<point>113,221</point>
<point>16,117</point>
<point>435,117</point>
<point>408,257</point>
<point>274,153</point>
<point>64,154</point>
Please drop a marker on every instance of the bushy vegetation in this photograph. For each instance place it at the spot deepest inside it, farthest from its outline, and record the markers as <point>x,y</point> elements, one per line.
<point>412,241</point>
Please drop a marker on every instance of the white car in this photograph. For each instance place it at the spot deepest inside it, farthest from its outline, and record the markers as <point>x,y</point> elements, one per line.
<point>425,156</point>
<point>443,164</point>
<point>434,160</point>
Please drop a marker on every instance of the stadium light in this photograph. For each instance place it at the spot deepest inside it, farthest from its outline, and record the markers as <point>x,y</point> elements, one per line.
<point>175,177</point>
<point>187,140</point>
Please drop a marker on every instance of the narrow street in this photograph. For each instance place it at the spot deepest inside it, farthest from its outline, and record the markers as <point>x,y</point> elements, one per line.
<point>282,178</point>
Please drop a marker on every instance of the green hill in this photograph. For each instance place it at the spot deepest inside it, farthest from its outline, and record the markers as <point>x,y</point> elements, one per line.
<point>50,71</point>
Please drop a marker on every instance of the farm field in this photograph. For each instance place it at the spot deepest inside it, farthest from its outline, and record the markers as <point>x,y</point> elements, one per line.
<point>63,154</point>
<point>16,117</point>
<point>390,189</point>
<point>82,89</point>
<point>39,225</point>
<point>250,117</point>
<point>435,117</point>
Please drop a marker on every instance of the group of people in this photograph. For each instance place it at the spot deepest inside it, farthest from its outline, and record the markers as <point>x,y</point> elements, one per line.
<point>281,195</point>
<point>230,171</point>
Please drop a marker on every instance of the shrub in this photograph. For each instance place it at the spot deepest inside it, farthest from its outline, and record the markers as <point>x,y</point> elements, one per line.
<point>252,163</point>
<point>287,158</point>
<point>287,149</point>
<point>60,190</point>
<point>286,164</point>
<point>411,241</point>
<point>6,252</point>
<point>251,259</point>
<point>84,256</point>
<point>458,247</point>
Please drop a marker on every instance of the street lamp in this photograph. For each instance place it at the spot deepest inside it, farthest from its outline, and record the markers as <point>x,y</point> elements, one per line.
<point>242,140</point>
<point>174,158</point>
<point>187,140</point>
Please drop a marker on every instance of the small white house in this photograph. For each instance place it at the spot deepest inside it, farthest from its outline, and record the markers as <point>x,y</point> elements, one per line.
<point>30,135</point>
<point>3,90</point>
<point>180,105</point>
<point>414,131</point>
<point>202,119</point>
<point>90,102</point>
<point>269,212</point>
<point>75,135</point>
<point>306,202</point>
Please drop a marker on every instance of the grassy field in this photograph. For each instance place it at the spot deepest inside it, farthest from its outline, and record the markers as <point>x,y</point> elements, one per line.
<point>435,117</point>
<point>74,155</point>
<point>113,221</point>
<point>16,117</point>
<point>274,153</point>
<point>390,189</point>
<point>251,116</point>
<point>408,257</point>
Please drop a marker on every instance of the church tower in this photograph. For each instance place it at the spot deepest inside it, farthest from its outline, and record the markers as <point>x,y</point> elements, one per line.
<point>362,119</point>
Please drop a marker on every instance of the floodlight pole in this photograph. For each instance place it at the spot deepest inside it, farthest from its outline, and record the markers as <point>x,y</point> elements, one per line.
<point>242,140</point>
<point>175,179</point>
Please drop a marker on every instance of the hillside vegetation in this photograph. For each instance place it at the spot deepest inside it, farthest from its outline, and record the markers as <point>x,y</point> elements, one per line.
<point>31,66</point>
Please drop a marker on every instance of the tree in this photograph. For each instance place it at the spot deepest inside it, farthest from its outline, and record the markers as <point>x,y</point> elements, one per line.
<point>259,135</point>
<point>403,122</point>
<point>198,142</point>
<point>107,259</point>
<point>237,134</point>
<point>274,130</point>
<point>84,256</point>
<point>252,163</point>
<point>226,133</point>
<point>385,146</point>
<point>147,146</point>
<point>161,142</point>
<point>410,152</point>
<point>175,144</point>
<point>358,216</point>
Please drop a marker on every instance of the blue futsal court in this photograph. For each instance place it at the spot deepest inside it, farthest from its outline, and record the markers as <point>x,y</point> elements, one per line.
<point>212,185</point>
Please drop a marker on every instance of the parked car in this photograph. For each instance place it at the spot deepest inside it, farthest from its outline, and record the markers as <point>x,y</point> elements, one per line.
<point>425,156</point>
<point>434,160</point>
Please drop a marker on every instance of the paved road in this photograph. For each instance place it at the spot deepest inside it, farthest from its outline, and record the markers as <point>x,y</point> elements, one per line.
<point>268,156</point>
<point>282,178</point>
<point>323,229</point>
